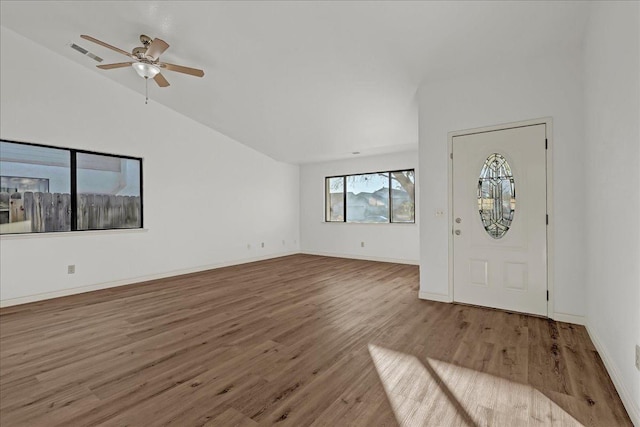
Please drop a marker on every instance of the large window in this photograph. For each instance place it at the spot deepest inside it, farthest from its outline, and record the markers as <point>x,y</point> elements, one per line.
<point>48,189</point>
<point>379,197</point>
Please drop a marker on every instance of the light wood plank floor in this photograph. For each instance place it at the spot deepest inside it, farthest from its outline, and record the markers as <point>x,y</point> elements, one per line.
<point>300,340</point>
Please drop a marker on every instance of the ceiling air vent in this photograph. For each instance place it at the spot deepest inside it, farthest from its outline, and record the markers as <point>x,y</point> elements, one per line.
<point>85,52</point>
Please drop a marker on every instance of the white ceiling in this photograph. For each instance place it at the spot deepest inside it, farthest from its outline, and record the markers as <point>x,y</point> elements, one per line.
<point>304,81</point>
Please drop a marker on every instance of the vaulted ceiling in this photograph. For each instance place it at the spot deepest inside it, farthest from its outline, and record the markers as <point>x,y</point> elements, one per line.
<point>304,81</point>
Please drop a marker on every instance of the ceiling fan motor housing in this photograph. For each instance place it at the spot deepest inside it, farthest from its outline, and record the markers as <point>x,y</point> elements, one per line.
<point>139,51</point>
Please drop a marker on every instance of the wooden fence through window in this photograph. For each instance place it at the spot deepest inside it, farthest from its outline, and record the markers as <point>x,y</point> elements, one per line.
<point>52,211</point>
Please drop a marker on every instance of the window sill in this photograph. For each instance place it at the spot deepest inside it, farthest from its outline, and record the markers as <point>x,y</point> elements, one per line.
<point>370,223</point>
<point>56,234</point>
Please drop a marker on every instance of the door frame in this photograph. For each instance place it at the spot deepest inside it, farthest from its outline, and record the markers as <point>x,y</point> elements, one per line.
<point>548,122</point>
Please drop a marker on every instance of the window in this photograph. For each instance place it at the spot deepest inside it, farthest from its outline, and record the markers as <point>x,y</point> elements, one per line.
<point>49,189</point>
<point>108,192</point>
<point>335,199</point>
<point>377,197</point>
<point>496,196</point>
<point>403,192</point>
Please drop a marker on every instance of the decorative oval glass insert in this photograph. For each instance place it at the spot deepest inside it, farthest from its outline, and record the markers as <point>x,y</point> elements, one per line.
<point>496,196</point>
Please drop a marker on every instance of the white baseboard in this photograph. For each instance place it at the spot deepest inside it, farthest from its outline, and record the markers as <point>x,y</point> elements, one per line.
<point>569,318</point>
<point>631,405</point>
<point>434,297</point>
<point>129,281</point>
<point>365,258</point>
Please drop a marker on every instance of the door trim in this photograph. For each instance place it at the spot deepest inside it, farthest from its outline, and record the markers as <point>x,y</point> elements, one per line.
<point>548,122</point>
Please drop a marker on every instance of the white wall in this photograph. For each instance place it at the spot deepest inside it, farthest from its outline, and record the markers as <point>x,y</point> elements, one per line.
<point>541,87</point>
<point>206,196</point>
<point>383,242</point>
<point>612,95</point>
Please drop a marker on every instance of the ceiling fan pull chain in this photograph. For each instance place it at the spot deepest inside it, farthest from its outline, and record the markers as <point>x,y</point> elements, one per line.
<point>146,90</point>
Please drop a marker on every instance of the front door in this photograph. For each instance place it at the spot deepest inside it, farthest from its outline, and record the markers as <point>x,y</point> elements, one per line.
<point>499,219</point>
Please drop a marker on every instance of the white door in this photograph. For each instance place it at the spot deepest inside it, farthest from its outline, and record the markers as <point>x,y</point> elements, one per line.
<point>499,219</point>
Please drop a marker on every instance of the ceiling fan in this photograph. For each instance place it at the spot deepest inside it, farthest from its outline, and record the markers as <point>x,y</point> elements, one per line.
<point>146,60</point>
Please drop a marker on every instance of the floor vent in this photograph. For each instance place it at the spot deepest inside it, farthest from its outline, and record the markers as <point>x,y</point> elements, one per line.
<point>85,52</point>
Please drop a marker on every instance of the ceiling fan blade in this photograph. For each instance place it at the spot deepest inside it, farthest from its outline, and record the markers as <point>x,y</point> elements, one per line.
<point>182,69</point>
<point>112,66</point>
<point>107,45</point>
<point>160,80</point>
<point>156,48</point>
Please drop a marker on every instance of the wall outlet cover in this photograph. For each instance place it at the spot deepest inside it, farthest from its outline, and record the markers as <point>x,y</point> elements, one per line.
<point>71,269</point>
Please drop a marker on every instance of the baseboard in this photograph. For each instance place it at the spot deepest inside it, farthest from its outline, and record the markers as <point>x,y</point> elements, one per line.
<point>569,318</point>
<point>364,258</point>
<point>129,281</point>
<point>631,405</point>
<point>434,297</point>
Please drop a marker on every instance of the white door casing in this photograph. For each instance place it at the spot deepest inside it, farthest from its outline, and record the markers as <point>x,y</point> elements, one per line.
<point>508,272</point>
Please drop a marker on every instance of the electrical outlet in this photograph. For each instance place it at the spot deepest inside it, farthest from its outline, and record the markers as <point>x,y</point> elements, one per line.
<point>362,244</point>
<point>638,357</point>
<point>283,243</point>
<point>262,244</point>
<point>71,269</point>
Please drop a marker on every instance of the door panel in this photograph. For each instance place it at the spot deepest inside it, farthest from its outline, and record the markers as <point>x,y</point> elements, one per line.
<point>508,271</point>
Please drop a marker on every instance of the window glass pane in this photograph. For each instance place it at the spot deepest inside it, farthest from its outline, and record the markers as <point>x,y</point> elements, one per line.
<point>496,196</point>
<point>35,187</point>
<point>368,197</point>
<point>335,199</point>
<point>403,196</point>
<point>108,192</point>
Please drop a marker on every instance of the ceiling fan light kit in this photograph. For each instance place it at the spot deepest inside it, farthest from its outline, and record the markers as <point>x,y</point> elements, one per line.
<point>148,71</point>
<point>146,60</point>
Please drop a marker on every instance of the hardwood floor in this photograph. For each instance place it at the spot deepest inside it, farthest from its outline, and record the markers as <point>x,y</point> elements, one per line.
<point>300,340</point>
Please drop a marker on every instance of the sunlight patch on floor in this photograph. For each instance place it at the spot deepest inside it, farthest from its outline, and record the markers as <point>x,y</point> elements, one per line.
<point>437,393</point>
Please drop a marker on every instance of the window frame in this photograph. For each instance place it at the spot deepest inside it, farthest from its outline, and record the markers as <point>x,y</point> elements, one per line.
<point>344,197</point>
<point>73,172</point>
<point>327,210</point>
